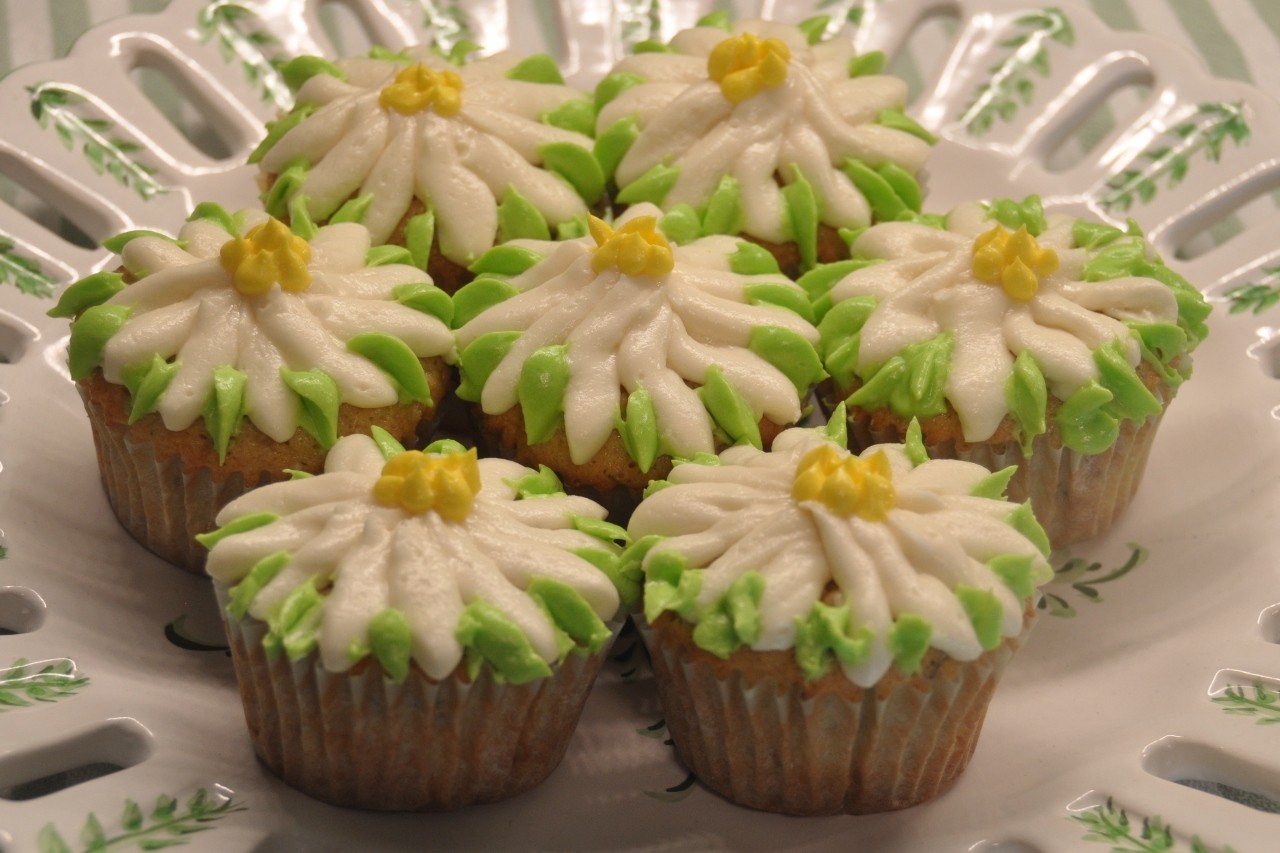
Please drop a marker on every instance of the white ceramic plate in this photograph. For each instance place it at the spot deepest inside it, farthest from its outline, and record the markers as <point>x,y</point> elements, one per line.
<point>1154,662</point>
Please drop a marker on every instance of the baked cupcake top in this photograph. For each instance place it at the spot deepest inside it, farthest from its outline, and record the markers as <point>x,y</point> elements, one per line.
<point>865,561</point>
<point>1001,307</point>
<point>492,147</point>
<point>239,316</point>
<point>429,558</point>
<point>718,117</point>
<point>610,331</point>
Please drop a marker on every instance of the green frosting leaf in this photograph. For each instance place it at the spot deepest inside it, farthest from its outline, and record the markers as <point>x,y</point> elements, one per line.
<point>242,524</point>
<point>627,574</point>
<point>734,620</point>
<point>577,116</point>
<point>505,260</point>
<point>498,641</point>
<point>577,166</point>
<point>1084,419</point>
<point>225,407</point>
<point>572,229</point>
<point>729,409</point>
<point>882,193</point>
<point>815,28</point>
<point>718,20</point>
<point>538,68</point>
<point>825,633</point>
<point>300,221</point>
<point>908,641</point>
<point>241,595</point>
<point>1128,257</point>
<point>276,199</point>
<point>867,64</point>
<point>394,358</point>
<point>650,46</point>
<point>353,209</point>
<point>1026,395</point>
<point>639,429</point>
<point>897,120</point>
<point>1131,399</point>
<point>751,259</point>
<point>300,69</point>
<point>319,400</point>
<point>570,612</point>
<point>1014,214</point>
<point>786,350</point>
<point>1023,520</point>
<point>818,281</point>
<point>724,213</point>
<point>386,54</point>
<point>381,256</point>
<point>545,482</point>
<point>479,359</point>
<point>146,382</point>
<point>614,85</point>
<point>670,585</point>
<point>652,186</point>
<point>209,211</point>
<point>458,54</point>
<point>387,443</point>
<point>984,611</point>
<point>605,531</point>
<point>994,484</point>
<point>904,186</point>
<point>519,219</point>
<point>914,444</point>
<point>419,234</point>
<point>86,293</point>
<point>276,131</point>
<point>612,144</point>
<point>840,336</point>
<point>391,642</point>
<point>292,626</point>
<point>1161,343</point>
<point>476,296</point>
<point>1017,571</point>
<point>681,224</point>
<point>1094,235</point>
<point>425,297</point>
<point>782,294</point>
<point>118,242</point>
<point>443,446</point>
<point>912,383</point>
<point>543,380</point>
<point>802,217</point>
<point>837,427</point>
<point>89,335</point>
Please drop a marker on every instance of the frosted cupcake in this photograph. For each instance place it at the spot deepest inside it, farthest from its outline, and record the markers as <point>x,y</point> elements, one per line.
<point>762,129</point>
<point>442,156</point>
<point>607,356</point>
<point>414,631</point>
<point>1051,343</point>
<point>212,363</point>
<point>827,629</point>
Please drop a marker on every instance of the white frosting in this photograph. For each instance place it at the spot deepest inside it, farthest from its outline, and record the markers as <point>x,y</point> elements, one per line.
<point>740,517</point>
<point>426,567</point>
<point>185,305</point>
<point>459,166</point>
<point>627,333</point>
<point>818,117</point>
<point>926,286</point>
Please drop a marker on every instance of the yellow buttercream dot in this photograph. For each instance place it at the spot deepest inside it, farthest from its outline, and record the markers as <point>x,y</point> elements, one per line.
<point>419,87</point>
<point>267,255</point>
<point>744,65</point>
<point>417,482</point>
<point>1013,260</point>
<point>636,249</point>
<point>846,485</point>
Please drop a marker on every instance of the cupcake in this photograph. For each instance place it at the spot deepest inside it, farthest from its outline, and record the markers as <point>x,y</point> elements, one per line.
<point>211,364</point>
<point>763,130</point>
<point>606,357</point>
<point>414,631</point>
<point>826,629</point>
<point>1053,344</point>
<point>440,155</point>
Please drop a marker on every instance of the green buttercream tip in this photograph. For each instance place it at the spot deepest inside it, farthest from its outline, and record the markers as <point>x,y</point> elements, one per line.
<point>840,332</point>
<point>606,561</point>
<point>300,221</point>
<point>381,256</point>
<point>612,145</point>
<point>1084,420</point>
<point>500,643</point>
<point>911,384</point>
<point>1161,343</point>
<point>1014,214</point>
<point>897,120</point>
<point>1017,571</point>
<point>824,634</point>
<point>576,116</point>
<point>209,211</point>
<point>866,64</point>
<point>443,446</point>
<point>1024,521</point>
<point>395,359</point>
<point>802,217</point>
<point>386,54</point>
<point>670,585</point>
<point>538,68</point>
<point>1094,235</point>
<point>1131,399</point>
<point>630,574</point>
<point>718,20</point>
<point>295,474</point>
<point>276,199</point>
<point>908,641</point>
<point>225,407</point>
<point>577,166</point>
<point>650,46</point>
<point>387,443</point>
<point>293,623</point>
<point>652,186</point>
<point>479,359</point>
<point>89,335</point>
<point>724,213</point>
<point>837,426</point>
<point>985,613</point>
<point>391,643</point>
<point>476,296</point>
<point>277,129</point>
<point>300,69</point>
<point>914,445</point>
<point>815,28</point>
<point>353,210</point>
<point>505,260</point>
<point>319,400</point>
<point>86,293</point>
<point>905,187</point>
<point>461,49</point>
<point>544,377</point>
<point>238,525</point>
<point>543,483</point>
<point>681,224</point>
<point>597,528</point>
<point>425,297</point>
<point>118,242</point>
<point>519,219</point>
<point>886,205</point>
<point>1128,257</point>
<point>1027,395</point>
<point>750,259</point>
<point>729,409</point>
<point>653,487</point>
<point>418,237</point>
<point>783,294</point>
<point>570,612</point>
<point>572,229</point>
<point>241,595</point>
<point>639,429</point>
<point>151,380</point>
<point>818,281</point>
<point>612,86</point>
<point>790,353</point>
<point>994,485</point>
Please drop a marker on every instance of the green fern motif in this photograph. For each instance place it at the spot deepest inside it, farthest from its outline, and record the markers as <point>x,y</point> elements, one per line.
<point>681,789</point>
<point>1207,130</point>
<point>446,24</point>
<point>23,273</point>
<point>21,685</point>
<point>1256,297</point>
<point>260,54</point>
<point>1011,82</point>
<point>166,826</point>
<point>51,105</point>
<point>1264,704</point>
<point>847,11</point>
<point>1082,577</point>
<point>1110,825</point>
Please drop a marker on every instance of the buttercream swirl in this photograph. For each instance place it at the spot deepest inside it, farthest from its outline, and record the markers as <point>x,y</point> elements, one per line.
<point>931,553</point>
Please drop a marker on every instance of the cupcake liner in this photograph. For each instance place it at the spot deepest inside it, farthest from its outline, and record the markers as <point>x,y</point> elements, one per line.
<point>772,741</point>
<point>357,739</point>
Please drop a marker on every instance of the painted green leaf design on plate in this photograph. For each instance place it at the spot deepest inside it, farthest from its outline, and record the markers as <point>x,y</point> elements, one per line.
<point>1206,130</point>
<point>22,272</point>
<point>446,23</point>
<point>1256,297</point>
<point>1263,704</point>
<point>22,685</point>
<point>260,54</point>
<point>52,106</point>
<point>166,825</point>
<point>1012,83</point>
<point>1108,824</point>
<point>850,11</point>
<point>1083,577</point>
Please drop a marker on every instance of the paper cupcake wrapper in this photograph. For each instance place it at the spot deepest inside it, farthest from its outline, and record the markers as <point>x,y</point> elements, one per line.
<point>357,739</point>
<point>768,746</point>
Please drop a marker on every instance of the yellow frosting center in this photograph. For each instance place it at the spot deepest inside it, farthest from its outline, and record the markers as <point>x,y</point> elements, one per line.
<point>844,484</point>
<point>636,249</point>
<point>417,482</point>
<point>744,65</point>
<point>418,87</point>
<point>1012,260</point>
<point>268,254</point>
